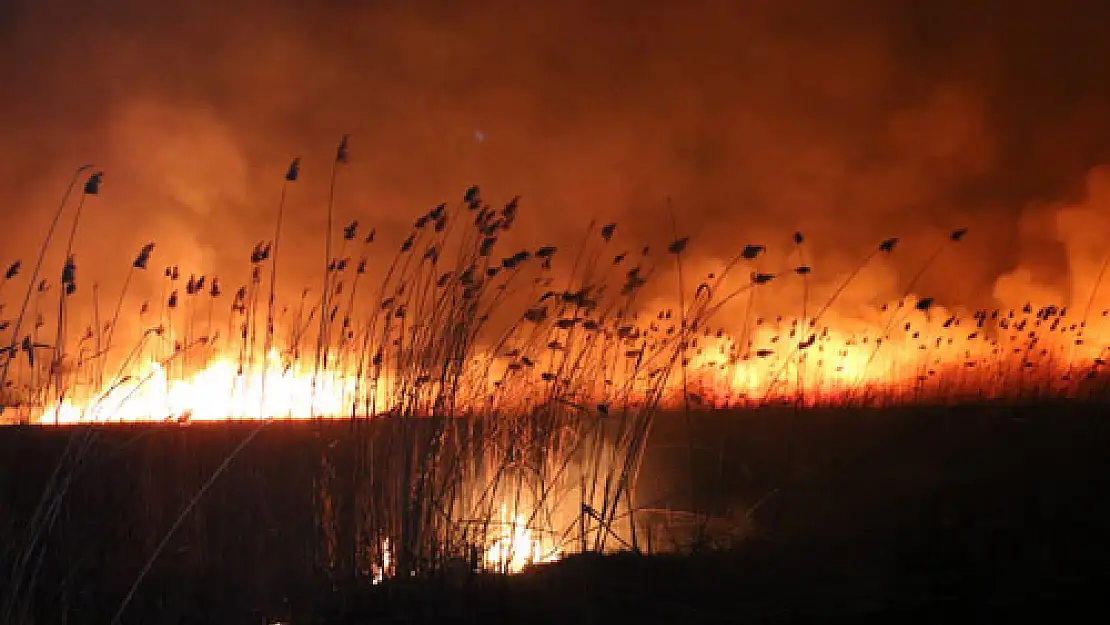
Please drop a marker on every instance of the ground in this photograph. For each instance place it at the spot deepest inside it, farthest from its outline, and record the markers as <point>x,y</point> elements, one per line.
<point>944,514</point>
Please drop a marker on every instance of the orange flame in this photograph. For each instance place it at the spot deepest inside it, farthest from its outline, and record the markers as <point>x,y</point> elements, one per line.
<point>218,391</point>
<point>517,547</point>
<point>913,355</point>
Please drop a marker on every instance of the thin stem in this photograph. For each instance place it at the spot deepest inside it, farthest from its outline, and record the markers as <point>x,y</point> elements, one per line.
<point>35,274</point>
<point>321,340</point>
<point>268,342</point>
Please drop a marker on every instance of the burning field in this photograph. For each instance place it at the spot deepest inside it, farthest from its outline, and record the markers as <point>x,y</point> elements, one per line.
<point>460,326</point>
<point>475,410</point>
<point>778,282</point>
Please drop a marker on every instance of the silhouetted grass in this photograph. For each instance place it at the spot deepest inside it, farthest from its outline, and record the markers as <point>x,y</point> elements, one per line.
<point>476,394</point>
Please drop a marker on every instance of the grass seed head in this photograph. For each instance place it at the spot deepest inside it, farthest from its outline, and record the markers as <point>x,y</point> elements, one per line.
<point>92,185</point>
<point>294,170</point>
<point>472,197</point>
<point>341,150</point>
<point>607,232</point>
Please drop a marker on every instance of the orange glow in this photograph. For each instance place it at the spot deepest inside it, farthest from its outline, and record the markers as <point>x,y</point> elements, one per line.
<point>515,546</point>
<point>218,391</point>
<point>380,571</point>
<point>934,356</point>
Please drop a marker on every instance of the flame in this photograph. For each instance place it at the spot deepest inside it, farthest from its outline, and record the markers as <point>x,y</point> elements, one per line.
<point>907,356</point>
<point>221,390</point>
<point>515,547</point>
<point>379,571</point>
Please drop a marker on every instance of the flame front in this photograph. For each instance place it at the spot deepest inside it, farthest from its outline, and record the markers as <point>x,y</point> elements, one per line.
<point>221,390</point>
<point>923,357</point>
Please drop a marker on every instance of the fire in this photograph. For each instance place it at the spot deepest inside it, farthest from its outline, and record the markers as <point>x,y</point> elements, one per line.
<point>380,571</point>
<point>910,356</point>
<point>516,547</point>
<point>414,344</point>
<point>221,390</point>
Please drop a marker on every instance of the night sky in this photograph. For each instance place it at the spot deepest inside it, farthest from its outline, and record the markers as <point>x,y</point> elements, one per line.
<point>850,121</point>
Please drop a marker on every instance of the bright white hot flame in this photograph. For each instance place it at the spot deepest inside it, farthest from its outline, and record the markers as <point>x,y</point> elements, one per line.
<point>219,391</point>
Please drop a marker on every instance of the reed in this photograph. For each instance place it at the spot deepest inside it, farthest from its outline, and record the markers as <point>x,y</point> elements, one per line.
<point>489,392</point>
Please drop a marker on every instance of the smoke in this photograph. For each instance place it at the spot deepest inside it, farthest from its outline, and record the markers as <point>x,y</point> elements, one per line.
<point>850,122</point>
<point>1079,227</point>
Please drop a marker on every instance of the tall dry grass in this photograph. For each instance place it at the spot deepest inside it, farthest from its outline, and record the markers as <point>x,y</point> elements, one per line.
<point>509,393</point>
<point>537,416</point>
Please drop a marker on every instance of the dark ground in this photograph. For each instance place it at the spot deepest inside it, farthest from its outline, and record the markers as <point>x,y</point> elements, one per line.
<point>958,514</point>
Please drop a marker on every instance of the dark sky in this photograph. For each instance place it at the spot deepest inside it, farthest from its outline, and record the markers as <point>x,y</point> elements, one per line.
<point>851,121</point>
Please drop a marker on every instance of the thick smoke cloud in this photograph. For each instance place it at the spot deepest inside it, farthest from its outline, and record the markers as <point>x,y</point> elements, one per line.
<point>848,121</point>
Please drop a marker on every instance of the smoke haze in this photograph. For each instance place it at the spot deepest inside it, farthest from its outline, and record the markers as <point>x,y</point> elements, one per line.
<point>849,121</point>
